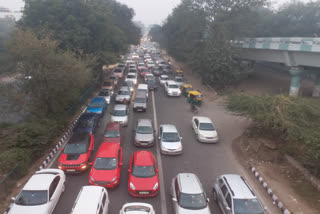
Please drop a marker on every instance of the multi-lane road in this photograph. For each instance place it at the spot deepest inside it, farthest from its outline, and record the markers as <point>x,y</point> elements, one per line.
<point>206,160</point>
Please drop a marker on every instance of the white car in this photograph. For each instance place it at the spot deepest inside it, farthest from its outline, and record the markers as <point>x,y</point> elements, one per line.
<point>132,77</point>
<point>204,129</point>
<point>41,193</point>
<point>172,89</point>
<point>163,79</point>
<point>137,208</point>
<point>170,140</point>
<point>120,114</point>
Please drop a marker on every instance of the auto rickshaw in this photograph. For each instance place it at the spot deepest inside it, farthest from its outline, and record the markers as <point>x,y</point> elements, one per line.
<point>179,72</point>
<point>195,97</point>
<point>186,88</point>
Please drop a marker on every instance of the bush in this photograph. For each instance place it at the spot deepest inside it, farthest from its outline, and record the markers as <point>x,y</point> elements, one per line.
<point>296,120</point>
<point>16,156</point>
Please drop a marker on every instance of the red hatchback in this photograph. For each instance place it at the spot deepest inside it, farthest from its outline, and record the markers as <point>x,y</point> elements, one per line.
<point>144,72</point>
<point>107,166</point>
<point>75,155</point>
<point>112,134</point>
<point>143,175</point>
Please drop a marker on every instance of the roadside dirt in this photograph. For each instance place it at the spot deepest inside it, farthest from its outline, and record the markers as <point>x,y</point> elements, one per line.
<point>297,195</point>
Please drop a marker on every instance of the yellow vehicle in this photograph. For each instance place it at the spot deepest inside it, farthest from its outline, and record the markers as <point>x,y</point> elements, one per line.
<point>179,72</point>
<point>186,88</point>
<point>195,97</point>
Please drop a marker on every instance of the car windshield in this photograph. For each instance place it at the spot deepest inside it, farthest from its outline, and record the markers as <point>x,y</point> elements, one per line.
<point>123,92</point>
<point>128,83</point>
<point>179,80</point>
<point>121,65</point>
<point>170,137</point>
<point>95,105</point>
<point>85,124</point>
<point>104,93</point>
<point>164,78</point>
<point>105,163</point>
<point>136,208</point>
<point>107,84</point>
<point>172,86</point>
<point>140,100</point>
<point>144,130</point>
<point>206,127</point>
<point>247,206</point>
<point>119,113</point>
<point>112,133</point>
<point>143,171</point>
<point>131,76</point>
<point>192,201</point>
<point>151,81</point>
<point>30,197</point>
<point>75,148</point>
<point>117,71</point>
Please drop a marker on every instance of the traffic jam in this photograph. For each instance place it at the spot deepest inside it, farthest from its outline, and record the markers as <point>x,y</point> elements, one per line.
<point>131,84</point>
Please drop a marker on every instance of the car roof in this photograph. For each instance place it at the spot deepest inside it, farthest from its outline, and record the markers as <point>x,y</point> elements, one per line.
<point>80,138</point>
<point>144,122</point>
<point>97,99</point>
<point>164,75</point>
<point>169,128</point>
<point>108,150</point>
<point>124,88</point>
<point>189,183</point>
<point>39,182</point>
<point>238,186</point>
<point>142,86</point>
<point>171,82</point>
<point>143,158</point>
<point>203,119</point>
<point>83,205</point>
<point>120,107</point>
<point>113,126</point>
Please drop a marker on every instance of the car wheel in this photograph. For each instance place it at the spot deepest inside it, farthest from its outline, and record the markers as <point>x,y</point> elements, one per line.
<point>214,195</point>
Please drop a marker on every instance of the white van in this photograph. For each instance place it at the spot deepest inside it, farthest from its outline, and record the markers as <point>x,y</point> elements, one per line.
<point>144,88</point>
<point>91,199</point>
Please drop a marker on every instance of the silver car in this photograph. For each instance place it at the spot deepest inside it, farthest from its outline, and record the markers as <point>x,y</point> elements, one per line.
<point>234,195</point>
<point>170,140</point>
<point>188,195</point>
<point>163,79</point>
<point>179,81</point>
<point>144,133</point>
<point>124,95</point>
<point>120,114</point>
<point>106,94</point>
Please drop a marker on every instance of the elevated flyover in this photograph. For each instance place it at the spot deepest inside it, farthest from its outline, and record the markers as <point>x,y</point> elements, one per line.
<point>298,54</point>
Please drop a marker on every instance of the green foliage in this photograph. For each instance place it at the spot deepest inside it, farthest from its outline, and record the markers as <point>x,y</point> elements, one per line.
<point>294,119</point>
<point>15,156</point>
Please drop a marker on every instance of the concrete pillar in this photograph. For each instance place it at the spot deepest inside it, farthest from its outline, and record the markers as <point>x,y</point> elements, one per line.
<point>295,73</point>
<point>316,89</point>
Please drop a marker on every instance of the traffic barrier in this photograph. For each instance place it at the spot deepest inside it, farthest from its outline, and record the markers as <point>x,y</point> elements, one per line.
<point>273,196</point>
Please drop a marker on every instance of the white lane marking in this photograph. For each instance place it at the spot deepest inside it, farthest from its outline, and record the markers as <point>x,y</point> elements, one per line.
<point>162,188</point>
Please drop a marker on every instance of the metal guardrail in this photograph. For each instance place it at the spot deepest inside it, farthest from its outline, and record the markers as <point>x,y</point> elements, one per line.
<point>9,180</point>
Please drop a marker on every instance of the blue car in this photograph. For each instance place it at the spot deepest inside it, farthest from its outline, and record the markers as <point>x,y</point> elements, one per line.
<point>97,106</point>
<point>88,122</point>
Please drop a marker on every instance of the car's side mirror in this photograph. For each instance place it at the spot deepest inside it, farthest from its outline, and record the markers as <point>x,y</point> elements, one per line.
<point>228,208</point>
<point>157,170</point>
<point>90,163</point>
<point>180,138</point>
<point>13,199</point>
<point>159,138</point>
<point>265,208</point>
<point>129,170</point>
<point>174,199</point>
<point>61,149</point>
<point>121,164</point>
<point>208,200</point>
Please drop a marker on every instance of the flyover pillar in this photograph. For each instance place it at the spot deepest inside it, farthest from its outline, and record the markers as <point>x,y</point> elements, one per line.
<point>295,73</point>
<point>316,89</point>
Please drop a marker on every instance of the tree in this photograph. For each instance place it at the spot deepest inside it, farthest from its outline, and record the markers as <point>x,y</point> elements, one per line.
<point>56,76</point>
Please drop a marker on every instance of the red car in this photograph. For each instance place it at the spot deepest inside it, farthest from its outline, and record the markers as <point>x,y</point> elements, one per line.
<point>107,166</point>
<point>76,153</point>
<point>112,134</point>
<point>144,72</point>
<point>143,175</point>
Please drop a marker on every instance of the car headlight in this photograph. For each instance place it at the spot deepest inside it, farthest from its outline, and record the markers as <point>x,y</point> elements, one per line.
<point>91,178</point>
<point>155,186</point>
<point>132,186</point>
<point>201,136</point>
<point>113,179</point>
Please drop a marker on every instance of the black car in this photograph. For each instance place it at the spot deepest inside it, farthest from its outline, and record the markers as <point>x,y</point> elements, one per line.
<point>152,84</point>
<point>87,123</point>
<point>166,69</point>
<point>156,71</point>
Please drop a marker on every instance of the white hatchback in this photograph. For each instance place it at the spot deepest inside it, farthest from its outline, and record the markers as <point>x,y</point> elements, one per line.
<point>41,193</point>
<point>204,130</point>
<point>170,140</point>
<point>132,77</point>
<point>137,208</point>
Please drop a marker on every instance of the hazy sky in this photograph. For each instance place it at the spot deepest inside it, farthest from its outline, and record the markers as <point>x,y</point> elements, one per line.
<point>147,11</point>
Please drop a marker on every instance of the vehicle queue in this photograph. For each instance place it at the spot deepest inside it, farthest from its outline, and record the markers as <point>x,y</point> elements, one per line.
<point>143,64</point>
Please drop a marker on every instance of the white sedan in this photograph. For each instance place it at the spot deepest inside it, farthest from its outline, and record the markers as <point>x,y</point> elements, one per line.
<point>137,208</point>
<point>41,193</point>
<point>132,77</point>
<point>205,130</point>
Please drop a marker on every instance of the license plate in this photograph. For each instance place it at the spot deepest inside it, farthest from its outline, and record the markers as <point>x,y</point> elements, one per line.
<point>71,170</point>
<point>143,193</point>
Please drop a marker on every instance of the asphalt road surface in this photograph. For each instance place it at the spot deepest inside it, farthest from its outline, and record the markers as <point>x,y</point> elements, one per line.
<point>206,160</point>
